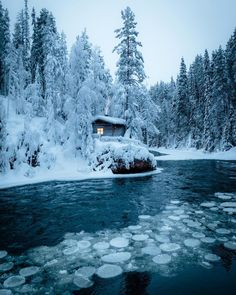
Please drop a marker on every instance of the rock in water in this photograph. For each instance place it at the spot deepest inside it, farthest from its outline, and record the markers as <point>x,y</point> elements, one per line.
<point>14,281</point>
<point>109,271</point>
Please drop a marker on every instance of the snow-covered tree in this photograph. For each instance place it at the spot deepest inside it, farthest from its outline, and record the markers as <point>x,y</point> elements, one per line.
<point>4,48</point>
<point>130,67</point>
<point>3,137</point>
<point>182,106</point>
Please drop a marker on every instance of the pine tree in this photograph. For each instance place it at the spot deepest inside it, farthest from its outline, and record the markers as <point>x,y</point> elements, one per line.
<point>79,62</point>
<point>221,106</point>
<point>182,106</point>
<point>130,71</point>
<point>26,36</point>
<point>4,48</point>
<point>231,72</point>
<point>45,25</point>
<point>3,142</point>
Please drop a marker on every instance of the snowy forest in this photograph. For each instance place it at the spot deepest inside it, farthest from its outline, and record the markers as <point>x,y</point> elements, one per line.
<point>54,93</point>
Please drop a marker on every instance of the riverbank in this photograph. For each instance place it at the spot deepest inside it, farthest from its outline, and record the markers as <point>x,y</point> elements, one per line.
<point>193,154</point>
<point>66,173</point>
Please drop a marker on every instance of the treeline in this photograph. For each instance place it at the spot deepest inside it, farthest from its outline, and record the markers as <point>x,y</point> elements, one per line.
<point>40,79</point>
<point>199,108</point>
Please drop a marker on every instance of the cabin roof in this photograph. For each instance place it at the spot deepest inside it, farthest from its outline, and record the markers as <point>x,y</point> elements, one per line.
<point>108,119</point>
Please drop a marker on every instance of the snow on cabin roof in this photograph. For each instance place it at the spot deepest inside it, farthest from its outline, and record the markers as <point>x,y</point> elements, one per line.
<point>108,119</point>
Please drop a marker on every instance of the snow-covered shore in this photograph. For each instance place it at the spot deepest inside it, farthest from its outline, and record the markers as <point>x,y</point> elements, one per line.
<point>193,154</point>
<point>16,178</point>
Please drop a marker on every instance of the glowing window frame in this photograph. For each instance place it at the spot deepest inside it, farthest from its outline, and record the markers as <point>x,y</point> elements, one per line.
<point>100,131</point>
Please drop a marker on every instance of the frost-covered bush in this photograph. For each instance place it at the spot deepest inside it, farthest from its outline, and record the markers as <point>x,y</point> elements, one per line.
<point>122,158</point>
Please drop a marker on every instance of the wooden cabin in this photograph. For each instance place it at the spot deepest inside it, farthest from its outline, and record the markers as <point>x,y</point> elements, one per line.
<point>108,126</point>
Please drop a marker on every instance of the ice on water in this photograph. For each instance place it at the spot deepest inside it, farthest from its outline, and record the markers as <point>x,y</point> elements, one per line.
<point>181,233</point>
<point>109,271</point>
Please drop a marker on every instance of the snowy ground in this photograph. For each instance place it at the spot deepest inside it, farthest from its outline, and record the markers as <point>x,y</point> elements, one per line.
<point>193,154</point>
<point>70,171</point>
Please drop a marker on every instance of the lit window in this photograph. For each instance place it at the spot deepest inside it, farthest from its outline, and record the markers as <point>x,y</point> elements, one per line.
<point>100,131</point>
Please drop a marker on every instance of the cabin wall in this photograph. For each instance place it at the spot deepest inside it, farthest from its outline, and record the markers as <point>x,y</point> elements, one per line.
<point>109,129</point>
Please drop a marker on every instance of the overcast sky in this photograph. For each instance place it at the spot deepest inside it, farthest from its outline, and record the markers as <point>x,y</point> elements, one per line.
<point>169,29</point>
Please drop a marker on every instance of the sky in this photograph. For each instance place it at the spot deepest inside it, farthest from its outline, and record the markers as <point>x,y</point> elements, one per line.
<point>168,29</point>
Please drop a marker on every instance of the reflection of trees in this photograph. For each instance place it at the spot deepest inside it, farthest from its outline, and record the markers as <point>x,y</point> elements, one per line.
<point>226,255</point>
<point>136,283</point>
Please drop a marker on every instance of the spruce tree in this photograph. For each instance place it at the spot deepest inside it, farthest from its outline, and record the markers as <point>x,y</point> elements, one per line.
<point>4,48</point>
<point>182,106</point>
<point>3,135</point>
<point>130,66</point>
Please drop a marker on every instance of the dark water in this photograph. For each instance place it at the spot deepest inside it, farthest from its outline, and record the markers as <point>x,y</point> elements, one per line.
<point>41,214</point>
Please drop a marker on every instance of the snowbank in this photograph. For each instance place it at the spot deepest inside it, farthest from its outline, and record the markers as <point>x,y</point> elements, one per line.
<point>122,157</point>
<point>193,154</point>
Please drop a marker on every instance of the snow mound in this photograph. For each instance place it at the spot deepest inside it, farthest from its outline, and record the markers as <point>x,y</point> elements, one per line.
<point>162,259</point>
<point>121,157</point>
<point>14,281</point>
<point>169,247</point>
<point>101,246</point>
<point>193,243</point>
<point>119,257</point>
<point>29,271</point>
<point>119,242</point>
<point>109,271</point>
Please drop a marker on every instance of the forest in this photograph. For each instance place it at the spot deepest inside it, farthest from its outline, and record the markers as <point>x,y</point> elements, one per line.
<point>41,79</point>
